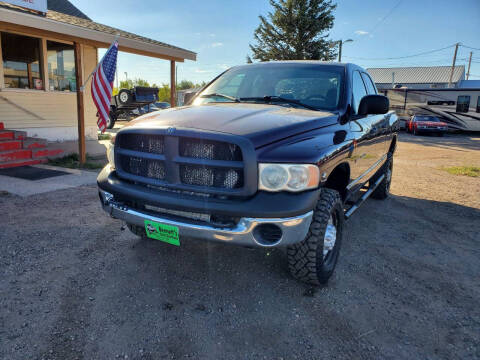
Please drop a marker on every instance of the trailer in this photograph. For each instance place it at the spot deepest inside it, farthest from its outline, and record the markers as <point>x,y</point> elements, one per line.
<point>459,107</point>
<point>128,100</point>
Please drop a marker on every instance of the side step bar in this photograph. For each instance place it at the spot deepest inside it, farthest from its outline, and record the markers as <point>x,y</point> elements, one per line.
<point>364,197</point>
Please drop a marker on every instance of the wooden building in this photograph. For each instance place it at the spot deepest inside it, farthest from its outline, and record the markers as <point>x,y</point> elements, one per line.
<point>44,57</point>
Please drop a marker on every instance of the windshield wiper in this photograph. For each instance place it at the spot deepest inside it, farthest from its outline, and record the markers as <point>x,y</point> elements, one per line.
<point>234,99</point>
<point>270,98</point>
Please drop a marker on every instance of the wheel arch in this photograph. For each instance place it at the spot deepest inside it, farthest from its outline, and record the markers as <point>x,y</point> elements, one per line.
<point>339,179</point>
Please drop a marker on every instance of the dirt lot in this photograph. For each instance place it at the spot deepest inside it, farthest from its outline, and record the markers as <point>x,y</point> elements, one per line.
<point>74,286</point>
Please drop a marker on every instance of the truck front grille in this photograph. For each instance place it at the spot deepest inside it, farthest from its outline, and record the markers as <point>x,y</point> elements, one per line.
<point>153,144</point>
<point>139,166</point>
<point>209,150</point>
<point>212,177</point>
<point>184,163</point>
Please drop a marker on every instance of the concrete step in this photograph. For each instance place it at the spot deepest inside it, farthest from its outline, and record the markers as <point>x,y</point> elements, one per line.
<point>46,153</point>
<point>7,135</point>
<point>6,145</point>
<point>10,164</point>
<point>1,126</point>
<point>34,143</point>
<point>15,155</point>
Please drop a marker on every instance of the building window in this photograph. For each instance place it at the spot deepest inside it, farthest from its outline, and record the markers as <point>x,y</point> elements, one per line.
<point>21,62</point>
<point>61,66</point>
<point>463,103</point>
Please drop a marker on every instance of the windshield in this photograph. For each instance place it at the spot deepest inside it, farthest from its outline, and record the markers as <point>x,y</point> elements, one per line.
<point>317,86</point>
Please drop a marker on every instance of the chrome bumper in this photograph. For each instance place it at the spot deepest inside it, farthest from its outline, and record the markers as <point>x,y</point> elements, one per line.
<point>293,229</point>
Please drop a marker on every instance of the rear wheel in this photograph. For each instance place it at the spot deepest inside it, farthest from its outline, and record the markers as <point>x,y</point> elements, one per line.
<point>314,259</point>
<point>111,120</point>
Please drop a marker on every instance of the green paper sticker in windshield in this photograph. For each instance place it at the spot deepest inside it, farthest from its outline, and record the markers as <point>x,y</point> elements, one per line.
<point>162,232</point>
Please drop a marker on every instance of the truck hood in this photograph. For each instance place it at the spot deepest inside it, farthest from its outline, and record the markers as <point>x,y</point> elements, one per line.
<point>262,124</point>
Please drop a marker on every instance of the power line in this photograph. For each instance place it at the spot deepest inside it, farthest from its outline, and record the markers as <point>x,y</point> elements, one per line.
<point>385,17</point>
<point>469,47</point>
<point>403,57</point>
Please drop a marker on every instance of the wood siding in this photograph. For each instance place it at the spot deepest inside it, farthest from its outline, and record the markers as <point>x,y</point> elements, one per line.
<point>22,109</point>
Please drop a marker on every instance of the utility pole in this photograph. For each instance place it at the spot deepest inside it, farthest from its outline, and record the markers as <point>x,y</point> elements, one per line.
<point>340,43</point>
<point>469,64</point>
<point>453,65</point>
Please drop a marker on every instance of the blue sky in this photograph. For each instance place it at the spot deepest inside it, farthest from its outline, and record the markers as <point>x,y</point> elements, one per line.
<point>221,30</point>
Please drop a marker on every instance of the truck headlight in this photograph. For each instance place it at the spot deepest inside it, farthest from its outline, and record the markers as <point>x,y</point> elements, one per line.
<point>288,177</point>
<point>111,153</point>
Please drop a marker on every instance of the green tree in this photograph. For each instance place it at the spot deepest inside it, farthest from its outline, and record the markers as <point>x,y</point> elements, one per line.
<point>185,84</point>
<point>295,30</point>
<point>164,93</point>
<point>130,84</point>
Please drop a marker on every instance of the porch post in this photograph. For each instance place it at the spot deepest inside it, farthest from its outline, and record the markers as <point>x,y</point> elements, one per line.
<point>2,83</point>
<point>173,89</point>
<point>80,108</point>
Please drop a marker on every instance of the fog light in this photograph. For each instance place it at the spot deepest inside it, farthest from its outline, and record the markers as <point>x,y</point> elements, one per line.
<point>268,234</point>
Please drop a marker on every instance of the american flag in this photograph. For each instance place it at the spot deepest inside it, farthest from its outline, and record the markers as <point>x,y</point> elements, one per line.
<point>102,85</point>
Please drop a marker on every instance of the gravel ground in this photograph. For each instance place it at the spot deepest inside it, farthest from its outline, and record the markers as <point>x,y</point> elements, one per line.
<point>73,285</point>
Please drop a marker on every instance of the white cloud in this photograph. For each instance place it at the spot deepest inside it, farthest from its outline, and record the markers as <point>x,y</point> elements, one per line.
<point>216,44</point>
<point>361,32</point>
<point>200,71</point>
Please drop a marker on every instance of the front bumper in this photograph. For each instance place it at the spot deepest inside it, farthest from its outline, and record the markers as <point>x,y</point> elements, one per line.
<point>288,213</point>
<point>245,232</point>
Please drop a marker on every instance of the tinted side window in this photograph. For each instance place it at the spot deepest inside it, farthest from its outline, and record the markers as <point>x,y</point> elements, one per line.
<point>463,103</point>
<point>478,104</point>
<point>369,83</point>
<point>358,90</point>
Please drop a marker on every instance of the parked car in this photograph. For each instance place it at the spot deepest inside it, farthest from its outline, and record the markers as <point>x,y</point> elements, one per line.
<point>162,105</point>
<point>422,124</point>
<point>144,110</point>
<point>275,154</point>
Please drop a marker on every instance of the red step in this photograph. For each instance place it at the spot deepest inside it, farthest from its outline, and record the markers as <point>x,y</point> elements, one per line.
<point>1,126</point>
<point>46,153</point>
<point>19,135</point>
<point>11,164</point>
<point>15,155</point>
<point>34,143</point>
<point>6,145</point>
<point>7,135</point>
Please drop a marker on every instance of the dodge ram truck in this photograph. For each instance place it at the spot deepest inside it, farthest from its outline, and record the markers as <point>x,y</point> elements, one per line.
<point>274,154</point>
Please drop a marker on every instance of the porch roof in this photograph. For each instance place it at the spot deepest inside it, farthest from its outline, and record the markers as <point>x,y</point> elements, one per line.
<point>74,28</point>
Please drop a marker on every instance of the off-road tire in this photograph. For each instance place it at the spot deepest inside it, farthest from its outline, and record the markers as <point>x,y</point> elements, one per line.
<point>125,96</point>
<point>383,190</point>
<point>111,120</point>
<point>305,259</point>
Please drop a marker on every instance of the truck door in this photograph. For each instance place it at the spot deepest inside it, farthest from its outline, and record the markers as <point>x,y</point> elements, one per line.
<point>365,152</point>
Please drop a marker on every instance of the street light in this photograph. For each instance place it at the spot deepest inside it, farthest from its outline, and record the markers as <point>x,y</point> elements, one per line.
<point>340,43</point>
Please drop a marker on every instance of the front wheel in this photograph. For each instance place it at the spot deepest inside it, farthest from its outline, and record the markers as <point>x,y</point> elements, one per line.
<point>314,259</point>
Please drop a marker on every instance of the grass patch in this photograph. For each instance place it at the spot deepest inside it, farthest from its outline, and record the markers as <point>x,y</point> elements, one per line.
<point>472,171</point>
<point>104,137</point>
<point>73,162</point>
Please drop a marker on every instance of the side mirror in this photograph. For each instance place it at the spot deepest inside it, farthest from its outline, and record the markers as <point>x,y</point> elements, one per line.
<point>373,104</point>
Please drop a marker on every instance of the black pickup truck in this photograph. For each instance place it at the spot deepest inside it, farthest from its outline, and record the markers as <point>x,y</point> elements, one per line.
<point>275,154</point>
